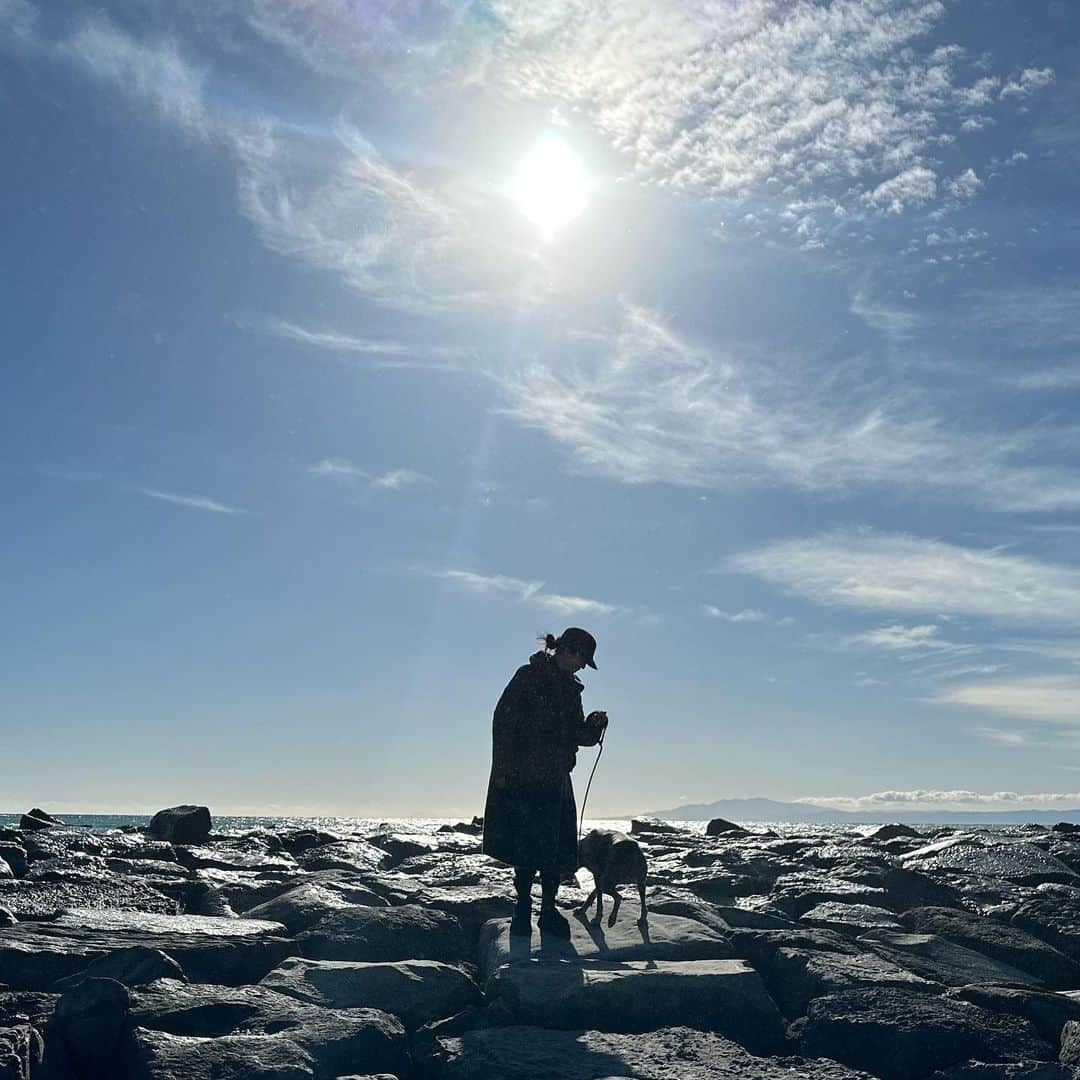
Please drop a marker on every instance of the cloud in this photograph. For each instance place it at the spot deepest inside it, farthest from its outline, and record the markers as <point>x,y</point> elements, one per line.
<point>947,800</point>
<point>913,187</point>
<point>964,186</point>
<point>1053,699</point>
<point>391,480</point>
<point>18,20</point>
<point>875,571</point>
<point>397,479</point>
<point>151,71</point>
<point>900,638</point>
<point>333,341</point>
<point>1047,379</point>
<point>194,502</point>
<point>531,592</point>
<point>747,615</point>
<point>1003,737</point>
<point>645,405</point>
<point>1028,81</point>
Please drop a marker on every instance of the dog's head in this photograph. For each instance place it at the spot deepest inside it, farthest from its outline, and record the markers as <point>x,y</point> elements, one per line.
<point>593,849</point>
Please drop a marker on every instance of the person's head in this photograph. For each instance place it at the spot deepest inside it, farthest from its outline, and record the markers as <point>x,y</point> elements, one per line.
<point>574,649</point>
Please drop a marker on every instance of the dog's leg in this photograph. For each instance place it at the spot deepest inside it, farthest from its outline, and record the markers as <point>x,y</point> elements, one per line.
<point>588,901</point>
<point>599,899</point>
<point>644,909</point>
<point>615,909</point>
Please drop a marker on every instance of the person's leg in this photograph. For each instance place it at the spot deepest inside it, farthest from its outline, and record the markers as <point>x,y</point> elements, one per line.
<point>521,923</point>
<point>550,918</point>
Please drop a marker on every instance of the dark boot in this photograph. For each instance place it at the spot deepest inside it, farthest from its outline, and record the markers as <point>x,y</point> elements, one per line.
<point>551,921</point>
<point>521,923</point>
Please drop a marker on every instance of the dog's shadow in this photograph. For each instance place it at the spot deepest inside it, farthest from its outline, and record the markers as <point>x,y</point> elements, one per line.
<point>595,929</point>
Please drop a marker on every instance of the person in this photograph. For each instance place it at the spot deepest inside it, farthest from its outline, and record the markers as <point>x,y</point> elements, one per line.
<point>530,818</point>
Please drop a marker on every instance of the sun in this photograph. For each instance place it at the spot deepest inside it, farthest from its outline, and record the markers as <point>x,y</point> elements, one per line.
<point>551,187</point>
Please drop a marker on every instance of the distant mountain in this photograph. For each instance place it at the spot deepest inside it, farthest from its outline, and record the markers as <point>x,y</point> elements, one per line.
<point>739,810</point>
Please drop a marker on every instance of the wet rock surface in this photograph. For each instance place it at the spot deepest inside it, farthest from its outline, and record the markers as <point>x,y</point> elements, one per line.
<point>303,952</point>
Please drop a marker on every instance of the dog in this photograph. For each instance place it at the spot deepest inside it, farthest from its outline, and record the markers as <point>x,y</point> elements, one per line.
<point>613,859</point>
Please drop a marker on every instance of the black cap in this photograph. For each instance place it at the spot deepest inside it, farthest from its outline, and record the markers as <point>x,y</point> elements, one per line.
<point>581,642</point>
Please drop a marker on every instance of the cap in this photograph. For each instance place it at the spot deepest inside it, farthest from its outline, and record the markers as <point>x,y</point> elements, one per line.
<point>581,642</point>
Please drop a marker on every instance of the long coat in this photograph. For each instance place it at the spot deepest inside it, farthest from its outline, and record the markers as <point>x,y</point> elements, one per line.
<point>530,819</point>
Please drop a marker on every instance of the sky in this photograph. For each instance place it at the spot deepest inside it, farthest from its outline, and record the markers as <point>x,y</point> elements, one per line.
<point>351,345</point>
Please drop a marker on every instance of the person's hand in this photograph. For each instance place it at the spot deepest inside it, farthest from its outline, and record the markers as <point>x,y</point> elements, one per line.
<point>598,718</point>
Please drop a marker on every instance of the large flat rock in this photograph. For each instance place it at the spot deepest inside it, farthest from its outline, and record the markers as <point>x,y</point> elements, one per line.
<point>235,1057</point>
<point>37,899</point>
<point>1020,862</point>
<point>530,1053</point>
<point>725,996</point>
<point>666,937</point>
<point>417,991</point>
<point>33,956</point>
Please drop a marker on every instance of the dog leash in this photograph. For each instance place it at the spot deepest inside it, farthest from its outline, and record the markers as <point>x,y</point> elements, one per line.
<point>581,822</point>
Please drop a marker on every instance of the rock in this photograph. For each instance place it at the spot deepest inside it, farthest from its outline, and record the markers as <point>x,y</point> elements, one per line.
<point>720,827</point>
<point>372,934</point>
<point>7,918</point>
<point>300,908</point>
<point>1070,1043</point>
<point>1066,827</point>
<point>639,826</point>
<point>1052,914</point>
<point>336,1040</point>
<point>233,1057</point>
<point>1048,1013</point>
<point>666,937</point>
<point>529,1053</point>
<point>357,855</point>
<point>907,888</point>
<point>851,919</point>
<point>181,825</point>
<point>229,857</point>
<point>417,991</point>
<point>798,892</point>
<point>1021,862</point>
<point>37,819</point>
<point>798,966</point>
<point>129,967</point>
<point>402,846</point>
<point>297,841</point>
<point>471,905</point>
<point>39,899</point>
<point>15,856</point>
<point>1007,944</point>
<point>893,831</point>
<point>752,918</point>
<point>18,1050</point>
<point>35,955</point>
<point>725,996</point>
<point>943,961</point>
<point>91,1019</point>
<point>1022,1070</point>
<point>899,1035</point>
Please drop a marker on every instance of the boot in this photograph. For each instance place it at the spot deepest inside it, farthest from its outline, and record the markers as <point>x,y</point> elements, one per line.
<point>521,923</point>
<point>551,921</point>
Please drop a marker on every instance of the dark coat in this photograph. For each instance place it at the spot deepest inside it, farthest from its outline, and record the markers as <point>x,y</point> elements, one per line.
<point>530,819</point>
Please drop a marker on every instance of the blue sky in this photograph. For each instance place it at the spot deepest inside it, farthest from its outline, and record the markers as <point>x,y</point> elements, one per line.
<point>312,422</point>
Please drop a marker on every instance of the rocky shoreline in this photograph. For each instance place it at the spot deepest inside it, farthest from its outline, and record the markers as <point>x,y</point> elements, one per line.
<point>175,952</point>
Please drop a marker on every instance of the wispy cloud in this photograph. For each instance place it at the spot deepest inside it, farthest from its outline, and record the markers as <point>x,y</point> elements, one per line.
<point>1061,378</point>
<point>531,592</point>
<point>747,615</point>
<point>396,479</point>
<point>391,480</point>
<point>339,467</point>
<point>384,354</point>
<point>875,571</point>
<point>1053,699</point>
<point>193,502</point>
<point>948,800</point>
<point>900,638</point>
<point>647,405</point>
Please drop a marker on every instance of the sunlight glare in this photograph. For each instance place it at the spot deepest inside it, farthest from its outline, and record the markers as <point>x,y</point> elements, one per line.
<point>551,185</point>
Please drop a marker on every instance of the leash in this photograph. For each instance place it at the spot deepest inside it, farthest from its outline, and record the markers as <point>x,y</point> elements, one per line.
<point>581,822</point>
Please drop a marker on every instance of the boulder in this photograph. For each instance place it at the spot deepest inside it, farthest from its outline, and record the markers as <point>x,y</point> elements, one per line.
<point>19,1051</point>
<point>1053,915</point>
<point>1016,861</point>
<point>356,855</point>
<point>1066,827</point>
<point>720,827</point>
<point>37,819</point>
<point>15,856</point>
<point>1070,1043</point>
<point>796,893</point>
<point>798,966</point>
<point>1048,1013</point>
<point>471,905</point>
<point>135,966</point>
<point>301,907</point>
<point>34,955</point>
<point>375,934</point>
<point>665,937</point>
<point>529,1053</point>
<point>181,825</point>
<point>38,899</point>
<point>943,961</point>
<point>899,1035</point>
<point>893,831</point>
<point>1007,944</point>
<point>160,1056</point>
<point>417,991</point>
<point>639,826</point>
<point>850,919</point>
<point>726,996</point>
<point>1022,1070</point>
<point>402,846</point>
<point>7,918</point>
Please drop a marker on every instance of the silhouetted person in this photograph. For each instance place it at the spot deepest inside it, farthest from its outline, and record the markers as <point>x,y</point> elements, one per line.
<point>530,819</point>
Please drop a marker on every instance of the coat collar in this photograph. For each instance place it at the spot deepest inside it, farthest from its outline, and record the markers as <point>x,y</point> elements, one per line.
<point>544,662</point>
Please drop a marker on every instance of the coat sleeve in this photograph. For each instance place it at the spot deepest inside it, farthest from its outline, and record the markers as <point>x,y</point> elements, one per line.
<point>587,731</point>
